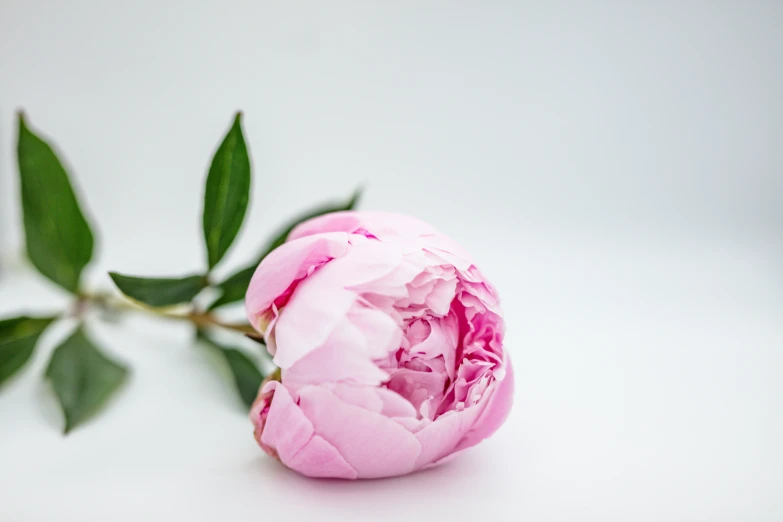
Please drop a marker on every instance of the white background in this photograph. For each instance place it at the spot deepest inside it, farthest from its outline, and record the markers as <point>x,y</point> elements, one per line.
<point>615,167</point>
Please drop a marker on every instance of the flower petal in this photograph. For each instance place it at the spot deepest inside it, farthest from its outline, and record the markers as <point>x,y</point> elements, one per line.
<point>287,430</point>
<point>336,361</point>
<point>440,298</point>
<point>320,459</point>
<point>374,445</point>
<point>315,311</point>
<point>287,264</point>
<point>380,332</point>
<point>440,438</point>
<point>495,412</point>
<point>321,304</point>
<point>377,400</point>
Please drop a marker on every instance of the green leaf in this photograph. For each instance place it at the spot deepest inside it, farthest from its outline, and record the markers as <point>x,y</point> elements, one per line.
<point>247,377</point>
<point>227,193</point>
<point>18,336</point>
<point>83,378</point>
<point>159,291</point>
<point>235,286</point>
<point>58,238</point>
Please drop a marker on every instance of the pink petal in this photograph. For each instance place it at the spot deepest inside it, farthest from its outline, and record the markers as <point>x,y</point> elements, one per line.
<point>287,430</point>
<point>315,311</point>
<point>321,302</point>
<point>394,404</point>
<point>374,445</point>
<point>333,222</point>
<point>369,261</point>
<point>440,298</point>
<point>417,386</point>
<point>320,459</point>
<point>495,412</point>
<point>377,400</point>
<point>442,339</point>
<point>447,256</point>
<point>381,333</point>
<point>457,430</point>
<point>287,264</point>
<point>338,360</point>
<point>412,424</point>
<point>441,437</point>
<point>486,294</point>
<point>361,396</point>
<point>394,283</point>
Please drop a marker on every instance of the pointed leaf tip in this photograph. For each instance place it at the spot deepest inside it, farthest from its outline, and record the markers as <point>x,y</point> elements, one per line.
<point>356,197</point>
<point>226,193</point>
<point>58,237</point>
<point>83,378</point>
<point>18,337</point>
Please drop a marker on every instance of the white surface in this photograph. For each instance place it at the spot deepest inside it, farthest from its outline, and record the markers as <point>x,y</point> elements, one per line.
<point>648,389</point>
<point>616,170</point>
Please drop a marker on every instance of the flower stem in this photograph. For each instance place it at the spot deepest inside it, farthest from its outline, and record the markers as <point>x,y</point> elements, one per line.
<point>200,319</point>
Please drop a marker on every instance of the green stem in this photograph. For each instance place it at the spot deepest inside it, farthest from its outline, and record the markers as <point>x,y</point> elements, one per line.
<point>199,319</point>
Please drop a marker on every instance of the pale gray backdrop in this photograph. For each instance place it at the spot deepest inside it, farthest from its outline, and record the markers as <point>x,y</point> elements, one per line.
<point>616,167</point>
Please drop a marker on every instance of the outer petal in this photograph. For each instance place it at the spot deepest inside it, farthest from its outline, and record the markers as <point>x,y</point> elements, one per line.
<point>316,309</point>
<point>346,221</point>
<point>375,399</point>
<point>440,438</point>
<point>457,430</point>
<point>387,226</point>
<point>495,413</point>
<point>287,430</point>
<point>288,264</point>
<point>321,304</point>
<point>380,333</point>
<point>336,361</point>
<point>374,445</point>
<point>320,459</point>
<point>290,434</point>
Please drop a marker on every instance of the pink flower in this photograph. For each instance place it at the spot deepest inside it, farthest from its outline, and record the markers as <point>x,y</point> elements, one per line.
<point>390,345</point>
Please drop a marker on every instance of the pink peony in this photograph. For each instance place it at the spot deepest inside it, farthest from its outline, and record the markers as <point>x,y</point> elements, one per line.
<point>390,345</point>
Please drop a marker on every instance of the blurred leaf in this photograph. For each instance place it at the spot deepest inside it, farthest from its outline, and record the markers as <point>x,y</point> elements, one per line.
<point>159,291</point>
<point>235,286</point>
<point>247,376</point>
<point>83,378</point>
<point>256,338</point>
<point>227,192</point>
<point>58,238</point>
<point>18,336</point>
